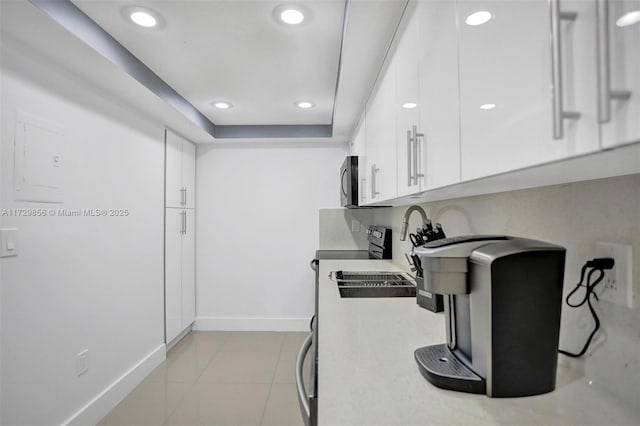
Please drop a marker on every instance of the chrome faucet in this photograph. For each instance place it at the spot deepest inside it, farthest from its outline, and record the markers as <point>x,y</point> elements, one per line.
<point>405,220</point>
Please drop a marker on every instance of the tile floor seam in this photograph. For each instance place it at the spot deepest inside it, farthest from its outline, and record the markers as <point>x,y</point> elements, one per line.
<point>266,405</point>
<point>168,416</point>
<point>213,357</point>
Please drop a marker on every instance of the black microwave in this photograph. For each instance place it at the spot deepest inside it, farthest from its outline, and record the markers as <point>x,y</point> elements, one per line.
<point>349,182</point>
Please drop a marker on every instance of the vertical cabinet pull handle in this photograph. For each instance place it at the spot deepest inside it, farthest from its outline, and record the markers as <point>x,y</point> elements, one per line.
<point>374,170</point>
<point>183,196</point>
<point>183,227</point>
<point>409,171</point>
<point>417,156</point>
<point>605,94</point>
<point>559,115</point>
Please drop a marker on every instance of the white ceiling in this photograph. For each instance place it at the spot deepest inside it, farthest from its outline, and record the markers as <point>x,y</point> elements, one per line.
<point>231,50</point>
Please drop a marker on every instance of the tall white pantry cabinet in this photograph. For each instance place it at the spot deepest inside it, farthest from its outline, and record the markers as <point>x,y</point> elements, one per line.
<point>180,291</point>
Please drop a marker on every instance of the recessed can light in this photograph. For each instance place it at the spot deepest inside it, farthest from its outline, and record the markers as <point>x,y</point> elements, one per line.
<point>143,19</point>
<point>292,16</point>
<point>487,106</point>
<point>305,104</point>
<point>478,18</point>
<point>629,18</point>
<point>409,105</point>
<point>222,105</point>
<point>142,16</point>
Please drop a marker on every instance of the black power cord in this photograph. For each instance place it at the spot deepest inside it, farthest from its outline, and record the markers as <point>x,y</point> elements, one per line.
<point>595,265</point>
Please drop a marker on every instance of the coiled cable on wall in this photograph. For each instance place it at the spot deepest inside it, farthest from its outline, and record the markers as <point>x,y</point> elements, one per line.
<point>595,265</point>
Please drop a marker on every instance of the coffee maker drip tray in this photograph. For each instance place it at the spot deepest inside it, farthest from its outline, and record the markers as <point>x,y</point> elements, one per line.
<point>441,368</point>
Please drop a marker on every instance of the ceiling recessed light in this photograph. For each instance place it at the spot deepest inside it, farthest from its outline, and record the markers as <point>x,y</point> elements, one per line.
<point>291,16</point>
<point>143,19</point>
<point>222,105</point>
<point>409,105</point>
<point>142,16</point>
<point>478,18</point>
<point>305,104</point>
<point>487,106</point>
<point>629,18</point>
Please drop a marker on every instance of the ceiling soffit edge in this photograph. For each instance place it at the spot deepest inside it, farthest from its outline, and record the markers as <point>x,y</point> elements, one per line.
<point>70,17</point>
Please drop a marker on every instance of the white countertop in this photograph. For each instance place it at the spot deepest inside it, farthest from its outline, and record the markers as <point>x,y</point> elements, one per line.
<point>368,376</point>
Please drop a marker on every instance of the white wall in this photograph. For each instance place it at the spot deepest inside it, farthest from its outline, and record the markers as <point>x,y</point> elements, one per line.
<point>80,283</point>
<point>257,226</point>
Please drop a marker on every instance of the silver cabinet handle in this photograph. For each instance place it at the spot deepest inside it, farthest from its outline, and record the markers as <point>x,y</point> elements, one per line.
<point>605,94</point>
<point>374,170</point>
<point>559,115</point>
<point>409,170</point>
<point>303,398</point>
<point>183,228</point>
<point>417,155</point>
<point>183,196</point>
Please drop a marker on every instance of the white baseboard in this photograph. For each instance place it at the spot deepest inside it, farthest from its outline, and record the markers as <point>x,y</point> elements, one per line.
<point>251,324</point>
<point>99,406</point>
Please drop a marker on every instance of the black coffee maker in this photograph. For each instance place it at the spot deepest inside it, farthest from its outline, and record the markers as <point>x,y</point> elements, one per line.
<point>502,300</point>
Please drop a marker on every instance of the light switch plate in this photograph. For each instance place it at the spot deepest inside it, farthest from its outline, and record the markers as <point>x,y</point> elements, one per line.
<point>9,242</point>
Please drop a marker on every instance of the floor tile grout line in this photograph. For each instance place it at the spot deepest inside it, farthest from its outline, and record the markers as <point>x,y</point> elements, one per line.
<point>197,381</point>
<point>273,377</point>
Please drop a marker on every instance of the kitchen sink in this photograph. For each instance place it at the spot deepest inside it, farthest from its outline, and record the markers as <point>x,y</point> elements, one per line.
<point>374,284</point>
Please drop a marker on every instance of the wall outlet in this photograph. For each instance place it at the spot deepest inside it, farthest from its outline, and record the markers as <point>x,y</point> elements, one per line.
<point>617,286</point>
<point>82,362</point>
<point>355,226</point>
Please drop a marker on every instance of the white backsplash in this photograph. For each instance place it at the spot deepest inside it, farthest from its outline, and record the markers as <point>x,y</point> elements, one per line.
<point>576,216</point>
<point>344,229</point>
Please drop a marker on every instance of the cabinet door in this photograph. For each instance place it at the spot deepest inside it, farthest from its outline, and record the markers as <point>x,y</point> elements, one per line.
<point>173,170</point>
<point>358,139</point>
<point>619,56</point>
<point>189,173</point>
<point>508,88</point>
<point>439,108</point>
<point>381,138</point>
<point>188,269</point>
<point>410,174</point>
<point>174,224</point>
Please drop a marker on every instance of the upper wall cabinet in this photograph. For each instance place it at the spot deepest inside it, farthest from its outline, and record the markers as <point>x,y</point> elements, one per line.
<point>180,173</point>
<point>437,49</point>
<point>528,79</point>
<point>619,71</point>
<point>408,140</point>
<point>381,138</point>
<point>476,88</point>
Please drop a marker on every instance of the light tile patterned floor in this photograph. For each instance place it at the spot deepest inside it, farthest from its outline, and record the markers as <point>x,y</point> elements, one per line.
<point>218,378</point>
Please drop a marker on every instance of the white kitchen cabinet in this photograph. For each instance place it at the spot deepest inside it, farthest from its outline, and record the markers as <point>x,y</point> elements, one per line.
<point>180,292</point>
<point>357,145</point>
<point>619,71</point>
<point>437,50</point>
<point>179,271</point>
<point>409,146</point>
<point>381,138</point>
<point>515,111</point>
<point>180,171</point>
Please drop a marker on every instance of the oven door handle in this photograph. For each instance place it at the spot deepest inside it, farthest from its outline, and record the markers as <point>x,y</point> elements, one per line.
<point>303,398</point>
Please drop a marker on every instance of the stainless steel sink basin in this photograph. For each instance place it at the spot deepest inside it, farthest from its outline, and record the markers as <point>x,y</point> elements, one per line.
<point>374,284</point>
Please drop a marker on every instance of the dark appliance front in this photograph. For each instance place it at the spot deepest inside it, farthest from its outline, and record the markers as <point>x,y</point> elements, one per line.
<point>349,182</point>
<point>503,298</point>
